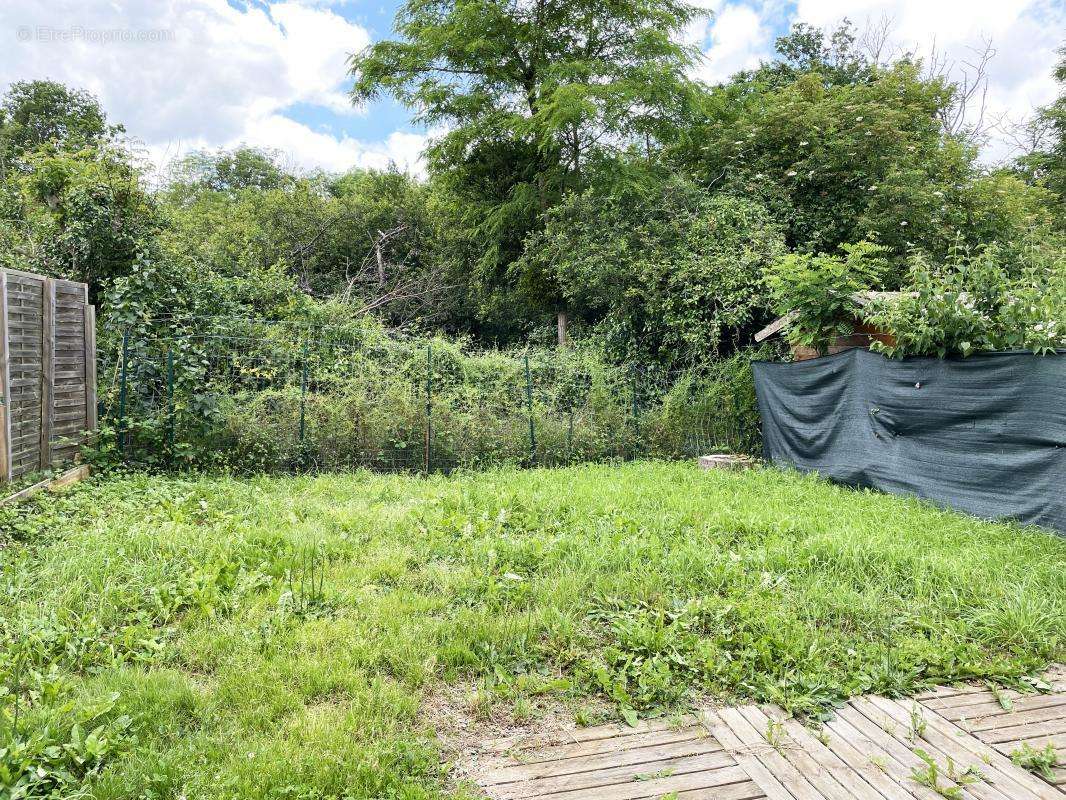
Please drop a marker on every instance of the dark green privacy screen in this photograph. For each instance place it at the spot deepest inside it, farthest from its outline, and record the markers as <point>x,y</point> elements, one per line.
<point>985,434</point>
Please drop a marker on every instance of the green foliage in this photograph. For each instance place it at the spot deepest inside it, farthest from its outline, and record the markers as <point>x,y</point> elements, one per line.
<point>929,776</point>
<point>562,75</point>
<point>46,756</point>
<point>636,587</point>
<point>582,173</point>
<point>540,90</point>
<point>841,150</point>
<point>837,163</point>
<point>246,220</point>
<point>820,291</point>
<point>666,271</point>
<point>45,114</point>
<point>832,56</point>
<point>82,215</point>
<point>242,399</point>
<point>993,299</point>
<point>1045,162</point>
<point>227,171</point>
<point>1041,761</point>
<point>716,407</point>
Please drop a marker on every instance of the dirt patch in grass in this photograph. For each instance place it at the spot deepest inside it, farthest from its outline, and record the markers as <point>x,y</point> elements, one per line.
<point>469,724</point>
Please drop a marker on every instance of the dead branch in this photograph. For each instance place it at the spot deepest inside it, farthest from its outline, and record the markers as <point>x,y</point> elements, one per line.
<point>965,116</point>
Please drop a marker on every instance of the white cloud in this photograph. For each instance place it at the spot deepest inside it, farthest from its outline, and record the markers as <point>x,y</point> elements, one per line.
<point>739,38</point>
<point>223,75</point>
<point>697,31</point>
<point>214,76</point>
<point>1024,34</point>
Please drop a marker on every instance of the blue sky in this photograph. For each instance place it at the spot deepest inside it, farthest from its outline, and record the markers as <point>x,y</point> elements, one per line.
<point>194,74</point>
<point>385,115</point>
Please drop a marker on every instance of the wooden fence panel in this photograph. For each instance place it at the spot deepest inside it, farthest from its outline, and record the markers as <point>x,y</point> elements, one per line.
<point>47,371</point>
<point>25,324</point>
<point>5,382</point>
<point>70,416</point>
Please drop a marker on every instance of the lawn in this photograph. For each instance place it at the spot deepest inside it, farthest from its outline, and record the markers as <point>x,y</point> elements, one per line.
<point>280,637</point>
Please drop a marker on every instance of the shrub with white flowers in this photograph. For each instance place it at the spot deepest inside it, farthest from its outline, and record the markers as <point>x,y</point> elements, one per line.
<point>977,302</point>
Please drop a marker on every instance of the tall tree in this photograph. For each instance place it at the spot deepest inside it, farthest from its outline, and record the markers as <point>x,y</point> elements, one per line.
<point>228,171</point>
<point>552,83</point>
<point>1045,135</point>
<point>36,113</point>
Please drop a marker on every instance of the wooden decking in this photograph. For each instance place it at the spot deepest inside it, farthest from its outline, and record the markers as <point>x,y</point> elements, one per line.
<point>875,748</point>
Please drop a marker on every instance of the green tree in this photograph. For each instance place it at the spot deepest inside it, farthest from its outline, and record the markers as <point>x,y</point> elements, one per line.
<point>840,162</point>
<point>662,269</point>
<point>38,113</point>
<point>363,235</point>
<point>1046,162</point>
<point>553,83</point>
<point>228,171</point>
<point>72,200</point>
<point>84,215</point>
<point>806,49</point>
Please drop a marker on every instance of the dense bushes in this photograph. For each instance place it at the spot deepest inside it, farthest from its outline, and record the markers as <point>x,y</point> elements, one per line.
<point>989,300</point>
<point>667,270</point>
<point>663,254</point>
<point>267,397</point>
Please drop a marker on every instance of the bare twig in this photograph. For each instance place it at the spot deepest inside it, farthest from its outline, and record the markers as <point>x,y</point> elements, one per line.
<point>965,116</point>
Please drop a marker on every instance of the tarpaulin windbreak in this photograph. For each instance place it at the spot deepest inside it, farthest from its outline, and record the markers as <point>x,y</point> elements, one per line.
<point>984,434</point>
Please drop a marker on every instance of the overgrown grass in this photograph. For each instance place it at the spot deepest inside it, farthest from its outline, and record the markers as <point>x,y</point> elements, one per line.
<point>273,637</point>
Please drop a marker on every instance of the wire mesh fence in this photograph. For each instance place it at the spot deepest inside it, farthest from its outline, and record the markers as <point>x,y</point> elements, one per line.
<point>266,396</point>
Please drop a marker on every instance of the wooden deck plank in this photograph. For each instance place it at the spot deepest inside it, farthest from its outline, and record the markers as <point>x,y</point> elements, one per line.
<point>638,757</point>
<point>1039,742</point>
<point>866,752</point>
<point>981,699</point>
<point>963,694</point>
<point>608,731</point>
<point>993,708</point>
<point>876,764</point>
<point>1010,719</point>
<point>791,751</point>
<point>1016,783</point>
<point>899,751</point>
<point>846,762</point>
<point>736,791</point>
<point>523,741</point>
<point>944,750</point>
<point>1056,727</point>
<point>599,746</point>
<point>850,782</point>
<point>655,787</point>
<point>626,774</point>
<point>790,777</point>
<point>757,771</point>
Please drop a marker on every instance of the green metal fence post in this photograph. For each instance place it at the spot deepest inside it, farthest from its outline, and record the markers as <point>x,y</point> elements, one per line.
<point>303,398</point>
<point>170,401</point>
<point>529,409</point>
<point>428,450</point>
<point>634,396</point>
<point>570,436</point>
<point>636,407</point>
<point>121,426</point>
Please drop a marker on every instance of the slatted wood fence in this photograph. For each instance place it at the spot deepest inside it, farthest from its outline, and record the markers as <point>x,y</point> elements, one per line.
<point>47,371</point>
